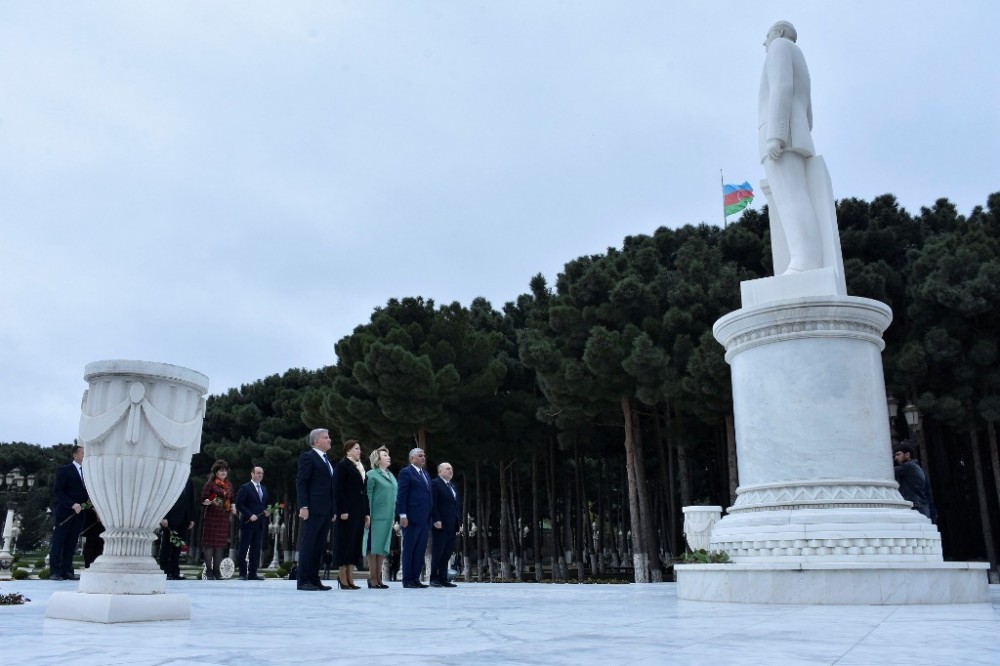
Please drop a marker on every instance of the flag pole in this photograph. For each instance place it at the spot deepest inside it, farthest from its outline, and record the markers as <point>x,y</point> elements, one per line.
<point>722,188</point>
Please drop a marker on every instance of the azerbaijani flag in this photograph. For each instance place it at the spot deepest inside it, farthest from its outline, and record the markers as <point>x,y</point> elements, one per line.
<point>736,197</point>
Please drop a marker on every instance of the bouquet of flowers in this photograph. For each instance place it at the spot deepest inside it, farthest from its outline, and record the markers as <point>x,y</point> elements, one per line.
<point>219,501</point>
<point>176,540</point>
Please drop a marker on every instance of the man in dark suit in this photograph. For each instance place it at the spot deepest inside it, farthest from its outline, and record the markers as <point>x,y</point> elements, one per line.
<point>71,495</point>
<point>444,523</point>
<point>314,495</point>
<point>414,503</point>
<point>178,521</point>
<point>251,503</point>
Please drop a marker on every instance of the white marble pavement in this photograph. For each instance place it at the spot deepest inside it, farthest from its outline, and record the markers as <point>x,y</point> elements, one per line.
<point>267,622</point>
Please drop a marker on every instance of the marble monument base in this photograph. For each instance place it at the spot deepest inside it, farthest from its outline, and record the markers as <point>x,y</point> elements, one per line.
<point>862,583</point>
<point>117,608</point>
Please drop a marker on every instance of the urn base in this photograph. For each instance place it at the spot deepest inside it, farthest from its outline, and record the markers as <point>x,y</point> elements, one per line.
<point>118,608</point>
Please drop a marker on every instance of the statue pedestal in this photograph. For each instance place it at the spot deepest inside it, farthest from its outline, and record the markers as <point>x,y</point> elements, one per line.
<point>818,509</point>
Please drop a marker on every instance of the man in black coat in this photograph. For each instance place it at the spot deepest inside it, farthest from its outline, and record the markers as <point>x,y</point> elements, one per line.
<point>70,495</point>
<point>178,521</point>
<point>444,525</point>
<point>314,495</point>
<point>911,478</point>
<point>251,503</point>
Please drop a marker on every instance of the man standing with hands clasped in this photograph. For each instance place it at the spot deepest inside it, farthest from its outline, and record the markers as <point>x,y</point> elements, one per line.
<point>251,503</point>
<point>444,517</point>
<point>414,503</point>
<point>314,491</point>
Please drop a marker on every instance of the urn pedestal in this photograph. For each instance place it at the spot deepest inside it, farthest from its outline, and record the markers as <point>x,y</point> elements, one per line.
<point>140,424</point>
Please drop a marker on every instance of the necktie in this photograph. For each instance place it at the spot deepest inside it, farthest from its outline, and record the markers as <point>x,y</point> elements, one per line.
<point>329,467</point>
<point>260,493</point>
<point>451,488</point>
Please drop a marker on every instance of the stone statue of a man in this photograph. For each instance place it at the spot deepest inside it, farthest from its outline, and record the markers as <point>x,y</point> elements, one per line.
<point>786,151</point>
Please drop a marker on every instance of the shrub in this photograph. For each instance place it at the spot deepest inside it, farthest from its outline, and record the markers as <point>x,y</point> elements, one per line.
<point>19,574</point>
<point>43,574</point>
<point>702,556</point>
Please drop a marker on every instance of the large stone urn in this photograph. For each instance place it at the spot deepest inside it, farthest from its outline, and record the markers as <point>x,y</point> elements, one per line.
<point>698,523</point>
<point>140,424</point>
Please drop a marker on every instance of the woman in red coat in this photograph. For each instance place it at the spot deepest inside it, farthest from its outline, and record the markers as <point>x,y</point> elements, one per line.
<point>217,496</point>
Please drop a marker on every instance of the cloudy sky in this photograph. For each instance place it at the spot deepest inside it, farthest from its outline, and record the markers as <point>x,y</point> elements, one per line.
<point>233,186</point>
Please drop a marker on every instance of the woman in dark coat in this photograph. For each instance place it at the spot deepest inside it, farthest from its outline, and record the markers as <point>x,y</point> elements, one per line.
<point>351,513</point>
<point>217,497</point>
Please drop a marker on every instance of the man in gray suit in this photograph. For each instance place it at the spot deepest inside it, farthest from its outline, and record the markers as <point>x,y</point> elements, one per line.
<point>785,144</point>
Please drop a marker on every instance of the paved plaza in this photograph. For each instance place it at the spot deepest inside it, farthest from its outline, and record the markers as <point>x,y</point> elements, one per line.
<point>268,622</point>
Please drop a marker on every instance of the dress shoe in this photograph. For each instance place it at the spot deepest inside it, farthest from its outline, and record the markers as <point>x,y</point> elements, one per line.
<point>434,583</point>
<point>73,577</point>
<point>56,578</point>
<point>448,583</point>
<point>382,586</point>
<point>419,584</point>
<point>254,578</point>
<point>308,587</point>
<point>321,586</point>
<point>411,584</point>
<point>243,577</point>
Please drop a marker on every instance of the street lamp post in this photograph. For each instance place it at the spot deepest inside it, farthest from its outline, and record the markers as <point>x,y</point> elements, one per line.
<point>893,406</point>
<point>914,424</point>
<point>6,557</point>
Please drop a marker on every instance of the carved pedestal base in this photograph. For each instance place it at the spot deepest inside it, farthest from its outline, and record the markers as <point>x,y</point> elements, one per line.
<point>840,583</point>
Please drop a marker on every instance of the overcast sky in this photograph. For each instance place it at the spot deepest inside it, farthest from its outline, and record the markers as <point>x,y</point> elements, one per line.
<point>234,186</point>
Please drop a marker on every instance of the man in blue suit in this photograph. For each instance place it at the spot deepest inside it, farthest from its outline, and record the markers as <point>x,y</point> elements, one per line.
<point>314,495</point>
<point>444,517</point>
<point>71,495</point>
<point>251,503</point>
<point>414,503</point>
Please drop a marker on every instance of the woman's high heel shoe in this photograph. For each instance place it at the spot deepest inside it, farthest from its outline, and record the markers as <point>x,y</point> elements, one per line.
<point>370,586</point>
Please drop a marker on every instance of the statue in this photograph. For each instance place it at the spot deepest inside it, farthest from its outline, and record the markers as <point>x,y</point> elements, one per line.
<point>804,233</point>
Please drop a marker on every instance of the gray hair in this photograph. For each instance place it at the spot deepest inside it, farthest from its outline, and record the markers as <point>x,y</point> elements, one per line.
<point>442,465</point>
<point>786,29</point>
<point>314,435</point>
<point>414,452</point>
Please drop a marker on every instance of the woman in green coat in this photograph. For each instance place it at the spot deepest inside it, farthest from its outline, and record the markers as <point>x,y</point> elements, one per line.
<point>381,486</point>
